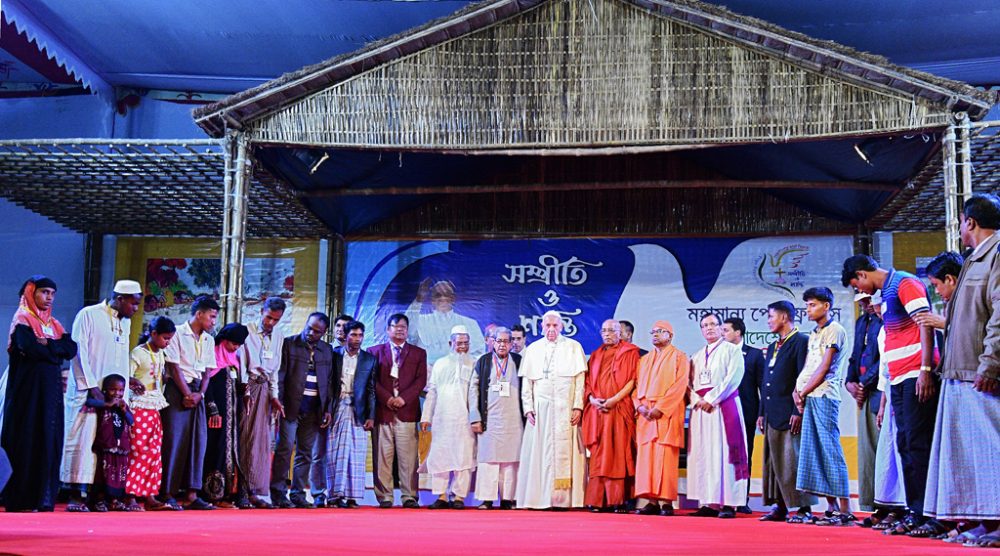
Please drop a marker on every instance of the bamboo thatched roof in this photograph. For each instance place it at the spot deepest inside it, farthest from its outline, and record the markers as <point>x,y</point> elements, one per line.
<point>546,73</point>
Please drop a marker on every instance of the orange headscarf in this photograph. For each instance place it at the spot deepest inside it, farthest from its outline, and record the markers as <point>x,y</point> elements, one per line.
<point>28,313</point>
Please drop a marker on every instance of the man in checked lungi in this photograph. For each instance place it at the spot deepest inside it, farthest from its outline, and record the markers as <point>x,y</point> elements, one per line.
<point>354,417</point>
<point>963,478</point>
<point>822,467</point>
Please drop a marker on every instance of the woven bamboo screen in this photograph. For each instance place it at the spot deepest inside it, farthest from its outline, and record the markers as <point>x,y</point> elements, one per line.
<point>581,73</point>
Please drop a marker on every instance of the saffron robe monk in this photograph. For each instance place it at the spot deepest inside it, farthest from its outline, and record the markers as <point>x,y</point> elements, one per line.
<point>660,388</point>
<point>609,420</point>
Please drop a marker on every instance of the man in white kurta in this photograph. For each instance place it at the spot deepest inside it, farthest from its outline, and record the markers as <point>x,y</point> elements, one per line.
<point>717,473</point>
<point>452,455</point>
<point>432,331</point>
<point>102,333</point>
<point>552,472</point>
<point>495,416</point>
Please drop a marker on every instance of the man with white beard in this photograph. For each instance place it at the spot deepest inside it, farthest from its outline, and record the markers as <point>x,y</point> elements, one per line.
<point>452,456</point>
<point>552,472</point>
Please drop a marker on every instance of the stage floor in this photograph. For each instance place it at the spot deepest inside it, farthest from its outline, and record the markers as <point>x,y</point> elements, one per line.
<point>371,530</point>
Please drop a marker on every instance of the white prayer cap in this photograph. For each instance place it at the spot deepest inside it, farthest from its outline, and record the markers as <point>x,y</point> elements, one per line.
<point>861,295</point>
<point>128,287</point>
<point>459,329</point>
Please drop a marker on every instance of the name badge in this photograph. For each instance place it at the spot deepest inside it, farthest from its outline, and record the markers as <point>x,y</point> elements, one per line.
<point>232,373</point>
<point>504,389</point>
<point>705,378</point>
<point>47,330</point>
<point>268,354</point>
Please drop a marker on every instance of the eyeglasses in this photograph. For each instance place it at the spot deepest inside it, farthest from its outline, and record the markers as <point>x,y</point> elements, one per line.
<point>501,341</point>
<point>656,331</point>
<point>609,330</point>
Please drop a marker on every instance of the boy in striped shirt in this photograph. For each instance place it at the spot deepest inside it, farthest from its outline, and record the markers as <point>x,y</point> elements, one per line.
<point>910,356</point>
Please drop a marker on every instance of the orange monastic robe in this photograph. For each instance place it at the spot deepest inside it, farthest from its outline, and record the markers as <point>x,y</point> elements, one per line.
<point>661,383</point>
<point>610,437</point>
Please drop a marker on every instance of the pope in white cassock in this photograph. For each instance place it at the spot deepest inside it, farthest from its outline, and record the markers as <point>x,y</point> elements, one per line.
<point>452,456</point>
<point>432,331</point>
<point>718,470</point>
<point>552,473</point>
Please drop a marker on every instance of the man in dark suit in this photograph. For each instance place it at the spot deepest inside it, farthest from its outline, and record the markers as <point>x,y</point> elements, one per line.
<point>779,420</point>
<point>353,417</point>
<point>733,330</point>
<point>309,370</point>
<point>401,377</point>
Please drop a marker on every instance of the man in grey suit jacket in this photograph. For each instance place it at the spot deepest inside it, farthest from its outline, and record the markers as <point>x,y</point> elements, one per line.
<point>309,371</point>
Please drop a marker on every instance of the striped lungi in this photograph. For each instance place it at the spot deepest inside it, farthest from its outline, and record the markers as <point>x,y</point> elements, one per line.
<point>255,437</point>
<point>889,488</point>
<point>347,450</point>
<point>964,474</point>
<point>822,467</point>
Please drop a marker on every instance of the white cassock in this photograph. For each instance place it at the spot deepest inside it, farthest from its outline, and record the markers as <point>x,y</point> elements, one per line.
<point>711,478</point>
<point>446,408</point>
<point>553,469</point>
<point>432,331</point>
<point>102,341</point>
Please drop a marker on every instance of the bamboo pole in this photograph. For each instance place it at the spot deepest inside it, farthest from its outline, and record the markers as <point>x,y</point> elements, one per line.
<point>237,246</point>
<point>952,240</point>
<point>227,196</point>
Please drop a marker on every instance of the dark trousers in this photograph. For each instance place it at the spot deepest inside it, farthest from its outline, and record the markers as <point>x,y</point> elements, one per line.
<point>914,434</point>
<point>299,435</point>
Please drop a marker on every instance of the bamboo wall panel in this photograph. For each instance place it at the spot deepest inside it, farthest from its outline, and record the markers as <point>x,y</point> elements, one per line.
<point>586,73</point>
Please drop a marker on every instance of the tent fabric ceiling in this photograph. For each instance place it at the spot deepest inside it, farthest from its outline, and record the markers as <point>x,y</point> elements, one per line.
<point>224,47</point>
<point>891,162</point>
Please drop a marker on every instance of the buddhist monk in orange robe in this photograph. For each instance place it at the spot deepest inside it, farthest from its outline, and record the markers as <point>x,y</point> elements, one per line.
<point>609,420</point>
<point>661,385</point>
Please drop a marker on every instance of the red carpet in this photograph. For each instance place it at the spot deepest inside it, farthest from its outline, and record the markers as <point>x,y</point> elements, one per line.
<point>370,530</point>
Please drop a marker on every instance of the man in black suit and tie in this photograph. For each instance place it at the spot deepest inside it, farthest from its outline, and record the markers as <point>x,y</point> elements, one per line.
<point>309,370</point>
<point>353,417</point>
<point>779,420</point>
<point>733,330</point>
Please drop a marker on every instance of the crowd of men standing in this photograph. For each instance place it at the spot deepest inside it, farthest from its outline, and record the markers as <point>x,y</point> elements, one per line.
<point>186,420</point>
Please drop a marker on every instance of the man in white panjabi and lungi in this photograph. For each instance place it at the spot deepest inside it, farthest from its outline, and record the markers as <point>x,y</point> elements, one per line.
<point>553,468</point>
<point>718,470</point>
<point>102,332</point>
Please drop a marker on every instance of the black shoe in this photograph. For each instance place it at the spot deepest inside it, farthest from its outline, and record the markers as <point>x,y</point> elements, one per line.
<point>350,504</point>
<point>385,504</point>
<point>488,505</point>
<point>745,509</point>
<point>506,504</point>
<point>337,502</point>
<point>651,508</point>
<point>775,514</point>
<point>282,503</point>
<point>410,504</point>
<point>302,504</point>
<point>438,504</point>
<point>319,501</point>
<point>667,510</point>
<point>457,505</point>
<point>727,513</point>
<point>705,511</point>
